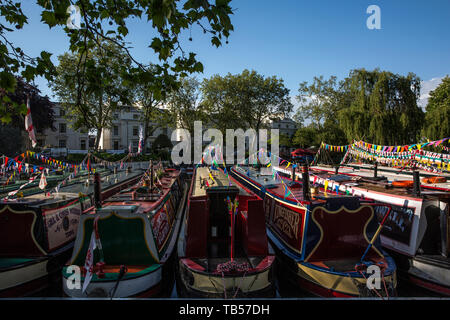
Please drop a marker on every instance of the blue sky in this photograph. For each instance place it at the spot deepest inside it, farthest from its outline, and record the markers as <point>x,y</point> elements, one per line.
<point>296,39</point>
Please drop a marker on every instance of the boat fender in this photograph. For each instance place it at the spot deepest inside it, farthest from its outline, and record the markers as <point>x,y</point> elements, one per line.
<point>403,184</point>
<point>432,180</point>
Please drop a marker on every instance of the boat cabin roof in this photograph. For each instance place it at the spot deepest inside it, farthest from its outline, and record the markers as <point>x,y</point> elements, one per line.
<point>363,179</point>
<point>72,191</point>
<point>140,198</point>
<point>219,179</point>
<point>276,184</point>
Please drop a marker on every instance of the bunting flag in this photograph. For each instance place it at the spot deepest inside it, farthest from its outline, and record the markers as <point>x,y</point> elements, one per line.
<point>89,262</point>
<point>411,155</point>
<point>141,140</point>
<point>330,147</point>
<point>29,125</point>
<point>287,192</point>
<point>42,182</point>
<point>20,188</point>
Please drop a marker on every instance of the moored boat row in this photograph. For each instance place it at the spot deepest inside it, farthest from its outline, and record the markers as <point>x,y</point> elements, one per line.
<point>223,248</point>
<point>220,233</point>
<point>136,232</point>
<point>37,232</point>
<point>417,232</point>
<point>326,244</point>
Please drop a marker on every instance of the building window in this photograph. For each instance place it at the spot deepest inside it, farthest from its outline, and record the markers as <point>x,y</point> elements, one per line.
<point>116,130</point>
<point>62,143</point>
<point>116,145</point>
<point>135,116</point>
<point>116,116</point>
<point>135,145</point>
<point>62,128</point>
<point>83,144</point>
<point>62,112</point>
<point>135,131</point>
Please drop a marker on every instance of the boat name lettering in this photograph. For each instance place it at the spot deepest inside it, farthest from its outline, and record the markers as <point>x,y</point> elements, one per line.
<point>287,221</point>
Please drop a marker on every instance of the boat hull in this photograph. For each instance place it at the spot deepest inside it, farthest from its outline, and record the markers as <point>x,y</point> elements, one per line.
<point>429,277</point>
<point>48,256</point>
<point>147,283</point>
<point>199,284</point>
<point>311,277</point>
<point>24,278</point>
<point>145,233</point>
<point>321,282</point>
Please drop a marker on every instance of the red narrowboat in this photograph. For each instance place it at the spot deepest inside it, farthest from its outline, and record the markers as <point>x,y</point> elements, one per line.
<point>223,250</point>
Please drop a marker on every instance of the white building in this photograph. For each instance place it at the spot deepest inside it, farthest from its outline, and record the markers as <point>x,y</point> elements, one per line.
<point>64,136</point>
<point>125,130</point>
<point>285,126</point>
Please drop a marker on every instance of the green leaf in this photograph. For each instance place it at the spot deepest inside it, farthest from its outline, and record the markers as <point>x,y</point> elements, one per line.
<point>48,17</point>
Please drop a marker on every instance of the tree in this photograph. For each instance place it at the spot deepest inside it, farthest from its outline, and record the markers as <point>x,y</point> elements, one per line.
<point>437,116</point>
<point>183,106</point>
<point>168,20</point>
<point>381,107</point>
<point>319,105</point>
<point>10,147</point>
<point>108,21</point>
<point>317,101</point>
<point>244,100</point>
<point>306,137</point>
<point>162,141</point>
<point>149,92</point>
<point>41,109</point>
<point>15,63</point>
<point>102,92</point>
<point>284,140</point>
<point>378,106</point>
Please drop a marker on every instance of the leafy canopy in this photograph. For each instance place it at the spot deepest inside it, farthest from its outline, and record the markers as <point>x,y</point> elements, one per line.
<point>108,20</point>
<point>437,118</point>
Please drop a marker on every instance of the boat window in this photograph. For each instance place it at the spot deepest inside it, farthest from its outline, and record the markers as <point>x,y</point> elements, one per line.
<point>431,243</point>
<point>271,186</point>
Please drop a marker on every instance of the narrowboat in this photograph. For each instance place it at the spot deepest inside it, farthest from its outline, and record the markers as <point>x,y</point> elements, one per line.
<point>327,245</point>
<point>223,250</point>
<point>28,187</point>
<point>37,233</point>
<point>417,233</point>
<point>136,232</point>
